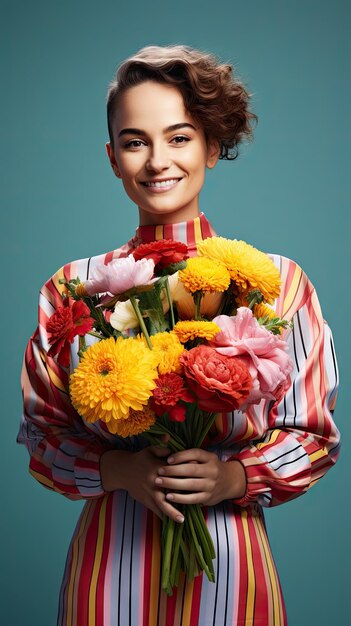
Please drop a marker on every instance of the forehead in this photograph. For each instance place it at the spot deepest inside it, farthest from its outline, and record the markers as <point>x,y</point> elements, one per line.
<point>149,106</point>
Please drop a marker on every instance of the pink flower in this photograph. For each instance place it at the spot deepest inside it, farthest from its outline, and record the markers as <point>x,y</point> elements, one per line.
<point>120,275</point>
<point>264,353</point>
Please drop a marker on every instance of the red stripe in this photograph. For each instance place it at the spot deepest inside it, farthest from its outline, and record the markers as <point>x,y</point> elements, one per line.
<point>261,598</point>
<point>190,235</point>
<point>100,587</point>
<point>171,606</point>
<point>108,258</point>
<point>168,231</point>
<point>86,569</point>
<point>205,227</point>
<point>196,599</point>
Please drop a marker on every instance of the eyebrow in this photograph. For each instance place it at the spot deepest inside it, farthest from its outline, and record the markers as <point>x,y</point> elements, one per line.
<point>138,131</point>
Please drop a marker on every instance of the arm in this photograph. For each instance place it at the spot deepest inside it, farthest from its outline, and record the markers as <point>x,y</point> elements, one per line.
<point>64,454</point>
<point>302,441</point>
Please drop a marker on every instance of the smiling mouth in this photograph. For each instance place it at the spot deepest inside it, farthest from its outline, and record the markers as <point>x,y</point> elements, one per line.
<point>161,184</point>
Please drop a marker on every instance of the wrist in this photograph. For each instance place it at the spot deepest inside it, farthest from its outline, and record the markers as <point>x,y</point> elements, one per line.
<point>114,469</point>
<point>235,479</point>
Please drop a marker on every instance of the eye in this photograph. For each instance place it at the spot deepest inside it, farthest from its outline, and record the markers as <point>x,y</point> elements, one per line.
<point>134,143</point>
<point>179,139</point>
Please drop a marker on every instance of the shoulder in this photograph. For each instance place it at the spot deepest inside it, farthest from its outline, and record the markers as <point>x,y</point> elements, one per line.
<point>53,289</point>
<point>296,287</point>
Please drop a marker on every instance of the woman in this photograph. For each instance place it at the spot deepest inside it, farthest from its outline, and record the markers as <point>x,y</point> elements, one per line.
<point>172,113</point>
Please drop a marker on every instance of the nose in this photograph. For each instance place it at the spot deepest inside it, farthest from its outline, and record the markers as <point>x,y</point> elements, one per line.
<point>158,159</point>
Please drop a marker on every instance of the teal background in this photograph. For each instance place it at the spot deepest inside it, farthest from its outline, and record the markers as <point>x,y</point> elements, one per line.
<point>287,193</point>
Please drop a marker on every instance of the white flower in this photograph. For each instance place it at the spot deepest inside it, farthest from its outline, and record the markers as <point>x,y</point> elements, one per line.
<point>124,316</point>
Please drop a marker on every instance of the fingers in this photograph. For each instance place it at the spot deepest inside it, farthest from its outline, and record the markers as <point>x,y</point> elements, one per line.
<point>167,508</point>
<point>184,484</point>
<point>189,498</point>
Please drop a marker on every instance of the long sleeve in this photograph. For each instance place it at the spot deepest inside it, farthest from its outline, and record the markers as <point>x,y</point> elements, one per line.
<point>301,441</point>
<point>64,454</point>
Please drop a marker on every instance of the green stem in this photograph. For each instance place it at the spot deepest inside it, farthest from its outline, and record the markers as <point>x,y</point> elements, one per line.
<point>169,297</point>
<point>94,334</point>
<point>208,424</point>
<point>166,560</point>
<point>141,320</point>
<point>197,300</point>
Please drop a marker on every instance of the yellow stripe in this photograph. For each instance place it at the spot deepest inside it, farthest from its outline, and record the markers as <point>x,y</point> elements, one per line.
<point>75,553</point>
<point>273,438</point>
<point>52,375</point>
<point>197,230</point>
<point>59,275</point>
<point>97,562</point>
<point>155,570</point>
<point>55,379</point>
<point>188,601</point>
<point>250,572</point>
<point>249,430</point>
<point>43,480</point>
<point>278,619</point>
<point>290,296</point>
<point>318,454</point>
<point>159,232</point>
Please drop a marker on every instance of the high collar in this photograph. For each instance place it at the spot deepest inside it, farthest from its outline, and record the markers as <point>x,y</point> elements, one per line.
<point>190,232</point>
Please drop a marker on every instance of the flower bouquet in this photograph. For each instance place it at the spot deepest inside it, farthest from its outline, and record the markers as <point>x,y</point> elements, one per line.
<point>175,341</point>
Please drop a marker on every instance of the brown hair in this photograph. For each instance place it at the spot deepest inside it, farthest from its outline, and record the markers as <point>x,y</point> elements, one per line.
<point>211,93</point>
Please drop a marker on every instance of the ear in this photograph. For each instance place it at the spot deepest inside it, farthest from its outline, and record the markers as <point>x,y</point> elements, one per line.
<point>112,160</point>
<point>213,152</point>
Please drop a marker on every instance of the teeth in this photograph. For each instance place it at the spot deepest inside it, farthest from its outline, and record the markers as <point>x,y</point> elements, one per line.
<point>163,183</point>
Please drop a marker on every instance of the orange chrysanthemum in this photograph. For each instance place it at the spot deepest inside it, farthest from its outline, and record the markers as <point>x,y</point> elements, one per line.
<point>136,423</point>
<point>113,377</point>
<point>203,274</point>
<point>249,268</point>
<point>190,330</point>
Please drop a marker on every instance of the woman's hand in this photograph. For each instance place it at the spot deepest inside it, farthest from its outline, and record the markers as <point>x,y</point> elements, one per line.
<point>137,472</point>
<point>197,476</point>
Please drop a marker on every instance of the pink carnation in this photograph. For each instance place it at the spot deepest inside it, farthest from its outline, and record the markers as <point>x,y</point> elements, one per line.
<point>120,275</point>
<point>264,353</point>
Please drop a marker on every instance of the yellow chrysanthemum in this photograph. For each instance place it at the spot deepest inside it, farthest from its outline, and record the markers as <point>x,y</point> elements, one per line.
<point>136,423</point>
<point>249,268</point>
<point>262,310</point>
<point>203,274</point>
<point>113,377</point>
<point>189,330</point>
<point>167,349</point>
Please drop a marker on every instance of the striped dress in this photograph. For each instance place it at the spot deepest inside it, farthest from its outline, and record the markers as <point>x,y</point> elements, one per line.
<point>112,573</point>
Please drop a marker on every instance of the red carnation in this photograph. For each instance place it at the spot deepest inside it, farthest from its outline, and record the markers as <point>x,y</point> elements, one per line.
<point>68,321</point>
<point>164,252</point>
<point>168,392</point>
<point>220,383</point>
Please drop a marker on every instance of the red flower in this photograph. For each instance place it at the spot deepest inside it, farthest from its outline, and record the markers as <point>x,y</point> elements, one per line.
<point>163,252</point>
<point>68,321</point>
<point>168,392</point>
<point>220,383</point>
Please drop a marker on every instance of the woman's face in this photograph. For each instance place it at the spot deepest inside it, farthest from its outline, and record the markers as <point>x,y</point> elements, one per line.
<point>160,153</point>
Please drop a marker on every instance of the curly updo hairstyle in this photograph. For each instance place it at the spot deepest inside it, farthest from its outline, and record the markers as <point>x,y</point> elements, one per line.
<point>212,95</point>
